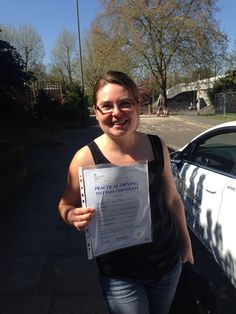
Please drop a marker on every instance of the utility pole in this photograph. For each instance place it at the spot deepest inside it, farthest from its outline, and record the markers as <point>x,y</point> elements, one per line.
<point>80,52</point>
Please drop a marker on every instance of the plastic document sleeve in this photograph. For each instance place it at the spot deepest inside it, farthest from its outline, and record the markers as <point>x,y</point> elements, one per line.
<point>120,196</point>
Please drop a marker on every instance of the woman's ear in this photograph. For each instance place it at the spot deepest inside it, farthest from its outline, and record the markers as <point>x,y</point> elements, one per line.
<point>95,111</point>
<point>138,106</point>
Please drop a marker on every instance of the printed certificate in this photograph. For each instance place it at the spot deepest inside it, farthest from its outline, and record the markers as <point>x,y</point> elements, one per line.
<point>120,196</point>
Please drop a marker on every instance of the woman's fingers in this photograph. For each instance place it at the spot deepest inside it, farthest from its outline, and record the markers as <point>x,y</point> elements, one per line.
<point>80,217</point>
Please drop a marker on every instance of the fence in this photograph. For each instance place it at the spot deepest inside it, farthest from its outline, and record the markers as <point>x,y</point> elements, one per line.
<point>225,103</point>
<point>53,88</point>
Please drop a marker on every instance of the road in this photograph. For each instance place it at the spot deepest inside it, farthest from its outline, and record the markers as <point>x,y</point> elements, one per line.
<point>176,131</point>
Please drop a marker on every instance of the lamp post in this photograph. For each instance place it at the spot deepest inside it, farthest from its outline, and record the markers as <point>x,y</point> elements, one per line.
<point>80,53</point>
<point>26,58</point>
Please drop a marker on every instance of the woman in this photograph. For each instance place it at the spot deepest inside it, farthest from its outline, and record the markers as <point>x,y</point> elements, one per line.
<point>140,279</point>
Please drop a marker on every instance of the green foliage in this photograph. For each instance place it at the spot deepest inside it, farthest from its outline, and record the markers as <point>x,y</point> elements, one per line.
<point>13,81</point>
<point>29,45</point>
<point>76,100</point>
<point>44,106</point>
<point>223,84</point>
<point>70,108</point>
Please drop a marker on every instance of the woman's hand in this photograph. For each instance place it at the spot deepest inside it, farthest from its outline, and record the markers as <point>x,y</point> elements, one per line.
<point>80,217</point>
<point>187,253</point>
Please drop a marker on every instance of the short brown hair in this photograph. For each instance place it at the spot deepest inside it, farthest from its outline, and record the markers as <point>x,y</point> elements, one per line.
<point>119,78</point>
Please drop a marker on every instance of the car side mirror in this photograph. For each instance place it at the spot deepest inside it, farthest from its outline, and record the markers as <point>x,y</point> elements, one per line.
<point>176,158</point>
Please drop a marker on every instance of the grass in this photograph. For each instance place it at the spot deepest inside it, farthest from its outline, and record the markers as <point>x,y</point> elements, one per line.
<point>226,117</point>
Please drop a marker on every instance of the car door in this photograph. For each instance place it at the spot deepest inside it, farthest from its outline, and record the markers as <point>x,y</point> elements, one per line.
<point>226,230</point>
<point>201,192</point>
<point>206,184</point>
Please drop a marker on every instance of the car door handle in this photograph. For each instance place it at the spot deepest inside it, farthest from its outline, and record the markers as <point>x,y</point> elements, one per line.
<point>210,191</point>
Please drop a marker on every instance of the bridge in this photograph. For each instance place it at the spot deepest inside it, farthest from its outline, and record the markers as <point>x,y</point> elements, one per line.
<point>199,98</point>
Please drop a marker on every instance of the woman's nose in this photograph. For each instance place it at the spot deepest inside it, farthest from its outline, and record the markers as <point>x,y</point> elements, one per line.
<point>116,110</point>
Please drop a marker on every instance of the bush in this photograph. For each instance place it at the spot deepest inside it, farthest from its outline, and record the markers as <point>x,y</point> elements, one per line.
<point>70,108</point>
<point>13,82</point>
<point>222,85</point>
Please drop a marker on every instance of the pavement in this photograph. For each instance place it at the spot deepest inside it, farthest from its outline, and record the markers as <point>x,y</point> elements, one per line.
<point>43,262</point>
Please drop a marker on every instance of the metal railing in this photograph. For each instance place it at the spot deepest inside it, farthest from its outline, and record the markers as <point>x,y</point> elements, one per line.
<point>186,87</point>
<point>225,103</point>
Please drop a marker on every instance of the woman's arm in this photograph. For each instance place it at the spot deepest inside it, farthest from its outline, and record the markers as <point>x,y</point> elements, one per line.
<point>175,205</point>
<point>70,207</point>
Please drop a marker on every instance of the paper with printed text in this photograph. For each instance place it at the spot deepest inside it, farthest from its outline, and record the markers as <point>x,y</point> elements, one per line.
<point>120,196</point>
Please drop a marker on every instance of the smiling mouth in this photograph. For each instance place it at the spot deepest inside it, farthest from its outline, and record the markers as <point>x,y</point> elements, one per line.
<point>119,122</point>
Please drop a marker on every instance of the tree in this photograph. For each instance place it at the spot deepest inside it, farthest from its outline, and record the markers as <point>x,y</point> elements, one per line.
<point>165,35</point>
<point>224,84</point>
<point>103,52</point>
<point>8,33</point>
<point>13,79</point>
<point>223,92</point>
<point>29,45</point>
<point>230,62</point>
<point>65,66</point>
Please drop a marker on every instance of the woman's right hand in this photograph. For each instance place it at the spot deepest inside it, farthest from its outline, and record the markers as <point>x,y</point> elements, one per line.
<point>80,217</point>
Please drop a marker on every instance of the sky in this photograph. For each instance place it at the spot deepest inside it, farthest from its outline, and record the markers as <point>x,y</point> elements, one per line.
<point>50,17</point>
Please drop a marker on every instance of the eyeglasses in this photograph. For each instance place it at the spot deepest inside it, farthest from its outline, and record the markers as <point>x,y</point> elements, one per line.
<point>125,105</point>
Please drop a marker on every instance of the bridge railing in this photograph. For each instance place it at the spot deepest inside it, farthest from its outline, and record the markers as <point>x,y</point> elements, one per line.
<point>186,87</point>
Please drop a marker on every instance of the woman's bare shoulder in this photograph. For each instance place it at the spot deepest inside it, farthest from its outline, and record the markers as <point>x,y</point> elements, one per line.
<point>83,157</point>
<point>100,140</point>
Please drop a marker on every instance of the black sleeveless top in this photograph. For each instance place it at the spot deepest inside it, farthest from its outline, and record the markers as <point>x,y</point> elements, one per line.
<point>151,260</point>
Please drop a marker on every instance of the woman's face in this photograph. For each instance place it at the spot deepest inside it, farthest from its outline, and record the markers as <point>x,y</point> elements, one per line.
<point>116,111</point>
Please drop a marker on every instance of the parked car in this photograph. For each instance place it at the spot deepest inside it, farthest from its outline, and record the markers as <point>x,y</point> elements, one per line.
<point>205,174</point>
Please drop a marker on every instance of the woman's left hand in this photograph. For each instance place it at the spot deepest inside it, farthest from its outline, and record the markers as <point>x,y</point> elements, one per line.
<point>187,254</point>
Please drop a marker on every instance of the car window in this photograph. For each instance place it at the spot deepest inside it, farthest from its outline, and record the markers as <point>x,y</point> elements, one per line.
<point>217,152</point>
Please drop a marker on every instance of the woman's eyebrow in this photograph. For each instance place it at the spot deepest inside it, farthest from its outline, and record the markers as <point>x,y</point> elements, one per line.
<point>105,102</point>
<point>108,102</point>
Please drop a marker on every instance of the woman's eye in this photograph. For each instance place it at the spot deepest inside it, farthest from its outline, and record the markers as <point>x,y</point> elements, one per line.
<point>106,107</point>
<point>126,104</point>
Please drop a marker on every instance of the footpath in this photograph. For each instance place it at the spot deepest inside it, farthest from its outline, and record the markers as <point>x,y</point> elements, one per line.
<point>43,262</point>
